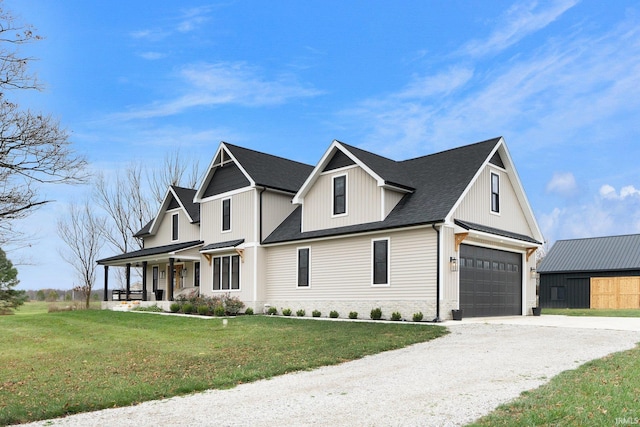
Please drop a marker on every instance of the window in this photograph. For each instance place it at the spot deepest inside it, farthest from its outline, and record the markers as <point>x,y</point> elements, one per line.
<point>495,193</point>
<point>196,274</point>
<point>226,215</point>
<point>174,227</point>
<point>303,267</point>
<point>381,262</point>
<point>226,273</point>
<point>340,195</point>
<point>558,293</point>
<point>155,278</point>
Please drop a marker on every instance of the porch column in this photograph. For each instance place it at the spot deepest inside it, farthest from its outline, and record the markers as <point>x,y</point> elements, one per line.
<point>144,280</point>
<point>106,283</point>
<point>128,281</point>
<point>170,283</point>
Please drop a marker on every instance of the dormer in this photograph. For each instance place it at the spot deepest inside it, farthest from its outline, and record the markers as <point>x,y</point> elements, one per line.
<point>350,186</point>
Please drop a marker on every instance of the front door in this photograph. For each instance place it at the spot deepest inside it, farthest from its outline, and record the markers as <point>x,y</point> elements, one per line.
<point>177,277</point>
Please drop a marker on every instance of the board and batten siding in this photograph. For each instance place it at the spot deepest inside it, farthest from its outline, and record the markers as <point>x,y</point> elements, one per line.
<point>364,201</point>
<point>391,199</point>
<point>242,218</point>
<point>187,232</point>
<point>476,205</point>
<point>275,208</point>
<point>341,269</point>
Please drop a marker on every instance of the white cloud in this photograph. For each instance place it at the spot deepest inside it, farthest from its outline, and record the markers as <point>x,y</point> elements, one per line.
<point>193,18</point>
<point>518,22</point>
<point>563,183</point>
<point>609,192</point>
<point>152,56</point>
<point>235,83</point>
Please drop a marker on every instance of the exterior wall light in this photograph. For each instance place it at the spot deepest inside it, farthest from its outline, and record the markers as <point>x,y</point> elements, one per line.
<point>162,274</point>
<point>453,263</point>
<point>534,272</point>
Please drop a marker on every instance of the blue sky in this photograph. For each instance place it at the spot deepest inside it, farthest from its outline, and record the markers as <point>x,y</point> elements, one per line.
<point>560,80</point>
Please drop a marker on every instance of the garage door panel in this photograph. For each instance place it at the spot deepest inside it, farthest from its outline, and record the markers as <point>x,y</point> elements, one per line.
<point>490,282</point>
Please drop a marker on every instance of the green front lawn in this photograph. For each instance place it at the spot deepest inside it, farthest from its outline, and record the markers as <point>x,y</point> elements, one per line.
<point>604,392</point>
<point>55,364</point>
<point>592,312</point>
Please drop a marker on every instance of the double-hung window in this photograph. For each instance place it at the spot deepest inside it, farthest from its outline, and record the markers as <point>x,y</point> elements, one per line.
<point>340,195</point>
<point>174,227</point>
<point>226,272</point>
<point>226,215</point>
<point>495,193</point>
<point>303,267</point>
<point>380,259</point>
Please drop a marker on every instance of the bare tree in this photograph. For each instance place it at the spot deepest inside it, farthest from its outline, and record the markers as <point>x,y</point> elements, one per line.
<point>34,148</point>
<point>174,171</point>
<point>80,231</point>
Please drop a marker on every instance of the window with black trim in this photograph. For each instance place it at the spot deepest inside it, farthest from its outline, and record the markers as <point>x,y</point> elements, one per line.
<point>303,267</point>
<point>495,193</point>
<point>381,262</point>
<point>340,195</point>
<point>174,227</point>
<point>558,293</point>
<point>226,272</point>
<point>154,275</point>
<point>226,215</point>
<point>196,273</point>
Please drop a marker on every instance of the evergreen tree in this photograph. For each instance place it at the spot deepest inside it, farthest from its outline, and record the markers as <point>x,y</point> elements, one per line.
<point>10,298</point>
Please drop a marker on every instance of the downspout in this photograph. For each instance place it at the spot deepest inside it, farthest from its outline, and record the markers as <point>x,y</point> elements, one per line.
<point>437,319</point>
<point>260,214</point>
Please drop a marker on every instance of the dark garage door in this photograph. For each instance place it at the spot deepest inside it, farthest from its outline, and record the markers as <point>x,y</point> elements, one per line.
<point>490,282</point>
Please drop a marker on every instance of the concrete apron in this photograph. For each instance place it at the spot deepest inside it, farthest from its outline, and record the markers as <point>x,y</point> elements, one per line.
<point>577,322</point>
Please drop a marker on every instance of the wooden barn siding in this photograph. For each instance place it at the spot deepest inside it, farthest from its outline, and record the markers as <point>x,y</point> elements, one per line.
<point>615,292</point>
<point>578,295</point>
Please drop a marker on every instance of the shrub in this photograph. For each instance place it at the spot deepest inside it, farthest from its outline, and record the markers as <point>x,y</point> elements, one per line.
<point>300,313</point>
<point>286,312</point>
<point>376,313</point>
<point>174,307</point>
<point>417,317</point>
<point>272,311</point>
<point>249,311</point>
<point>353,315</point>
<point>188,308</point>
<point>333,314</point>
<point>153,308</point>
<point>232,305</point>
<point>396,316</point>
<point>316,313</point>
<point>219,311</point>
<point>203,310</point>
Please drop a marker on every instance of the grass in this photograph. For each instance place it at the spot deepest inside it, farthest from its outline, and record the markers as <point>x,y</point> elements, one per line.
<point>78,361</point>
<point>603,392</point>
<point>592,312</point>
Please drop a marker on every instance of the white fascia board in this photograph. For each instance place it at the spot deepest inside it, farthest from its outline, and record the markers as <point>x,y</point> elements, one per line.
<point>208,176</point>
<point>163,207</point>
<point>317,171</point>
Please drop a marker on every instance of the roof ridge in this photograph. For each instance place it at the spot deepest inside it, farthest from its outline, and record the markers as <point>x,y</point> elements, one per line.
<point>496,139</point>
<point>227,144</point>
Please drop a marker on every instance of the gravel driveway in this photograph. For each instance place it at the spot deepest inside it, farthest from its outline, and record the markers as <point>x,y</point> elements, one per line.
<point>446,382</point>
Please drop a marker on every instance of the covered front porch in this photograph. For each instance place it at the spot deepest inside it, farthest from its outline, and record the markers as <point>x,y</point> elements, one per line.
<point>164,272</point>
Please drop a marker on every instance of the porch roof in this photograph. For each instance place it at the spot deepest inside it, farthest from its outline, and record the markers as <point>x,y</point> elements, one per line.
<point>221,245</point>
<point>147,253</point>
<point>490,230</point>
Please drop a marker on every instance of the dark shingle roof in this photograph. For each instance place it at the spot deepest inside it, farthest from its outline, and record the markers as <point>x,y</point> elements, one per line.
<point>391,171</point>
<point>496,231</point>
<point>438,181</point>
<point>151,251</point>
<point>593,254</point>
<point>186,196</point>
<point>220,245</point>
<point>271,171</point>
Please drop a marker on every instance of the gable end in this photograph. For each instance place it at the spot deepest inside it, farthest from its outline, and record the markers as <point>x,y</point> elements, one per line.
<point>339,160</point>
<point>227,177</point>
<point>497,160</point>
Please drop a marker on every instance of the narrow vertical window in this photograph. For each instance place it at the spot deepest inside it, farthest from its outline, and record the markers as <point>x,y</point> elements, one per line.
<point>303,267</point>
<point>495,193</point>
<point>155,278</point>
<point>235,272</point>
<point>225,273</point>
<point>196,274</point>
<point>340,195</point>
<point>226,215</point>
<point>174,227</point>
<point>381,262</point>
<point>216,274</point>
